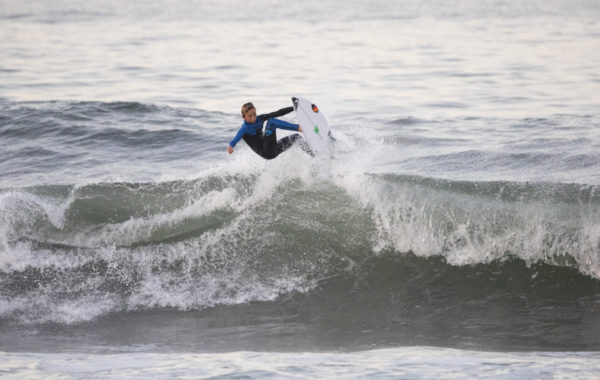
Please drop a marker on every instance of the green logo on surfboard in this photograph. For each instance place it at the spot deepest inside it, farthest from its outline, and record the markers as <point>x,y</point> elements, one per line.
<point>316,129</point>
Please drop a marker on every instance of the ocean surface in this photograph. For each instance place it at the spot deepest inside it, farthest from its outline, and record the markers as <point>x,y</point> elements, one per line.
<point>454,231</point>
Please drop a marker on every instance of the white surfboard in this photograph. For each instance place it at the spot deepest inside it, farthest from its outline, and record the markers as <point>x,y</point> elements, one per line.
<point>314,126</point>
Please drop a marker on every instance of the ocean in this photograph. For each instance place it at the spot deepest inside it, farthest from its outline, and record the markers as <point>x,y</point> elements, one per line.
<point>453,233</point>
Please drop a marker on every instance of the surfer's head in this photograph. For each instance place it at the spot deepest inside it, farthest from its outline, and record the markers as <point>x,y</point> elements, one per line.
<point>249,112</point>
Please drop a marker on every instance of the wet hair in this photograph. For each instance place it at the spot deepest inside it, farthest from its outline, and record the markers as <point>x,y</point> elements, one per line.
<point>247,107</point>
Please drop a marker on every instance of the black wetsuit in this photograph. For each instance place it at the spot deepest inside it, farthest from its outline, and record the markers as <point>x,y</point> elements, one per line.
<point>266,144</point>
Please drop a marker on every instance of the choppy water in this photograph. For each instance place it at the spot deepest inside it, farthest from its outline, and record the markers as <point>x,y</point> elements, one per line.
<point>461,207</point>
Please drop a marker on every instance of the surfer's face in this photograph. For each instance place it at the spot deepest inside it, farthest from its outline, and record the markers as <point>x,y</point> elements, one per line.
<point>250,115</point>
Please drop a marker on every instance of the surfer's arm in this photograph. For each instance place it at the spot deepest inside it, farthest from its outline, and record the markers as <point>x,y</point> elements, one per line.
<point>280,124</point>
<point>281,112</point>
<point>236,139</point>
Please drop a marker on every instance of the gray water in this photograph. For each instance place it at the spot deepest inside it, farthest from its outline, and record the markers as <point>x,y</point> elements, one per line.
<point>455,231</point>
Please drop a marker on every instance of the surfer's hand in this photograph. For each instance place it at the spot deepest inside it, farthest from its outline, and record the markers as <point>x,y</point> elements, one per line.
<point>300,129</point>
<point>229,150</point>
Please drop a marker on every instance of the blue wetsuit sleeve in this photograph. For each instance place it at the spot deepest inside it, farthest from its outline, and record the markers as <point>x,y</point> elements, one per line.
<point>283,125</point>
<point>238,136</point>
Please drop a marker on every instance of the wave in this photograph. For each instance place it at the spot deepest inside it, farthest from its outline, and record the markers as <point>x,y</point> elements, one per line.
<point>92,141</point>
<point>70,253</point>
<point>85,118</point>
<point>477,222</point>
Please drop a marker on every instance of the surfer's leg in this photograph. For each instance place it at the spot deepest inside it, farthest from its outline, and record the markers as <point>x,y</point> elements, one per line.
<point>257,144</point>
<point>305,147</point>
<point>286,142</point>
<point>272,148</point>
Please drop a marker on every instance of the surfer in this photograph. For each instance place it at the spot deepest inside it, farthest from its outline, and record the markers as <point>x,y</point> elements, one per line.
<point>265,143</point>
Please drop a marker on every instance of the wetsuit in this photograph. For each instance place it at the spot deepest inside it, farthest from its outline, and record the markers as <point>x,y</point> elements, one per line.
<point>266,144</point>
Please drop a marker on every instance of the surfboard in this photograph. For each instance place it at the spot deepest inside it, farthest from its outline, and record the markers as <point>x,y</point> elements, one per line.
<point>314,126</point>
